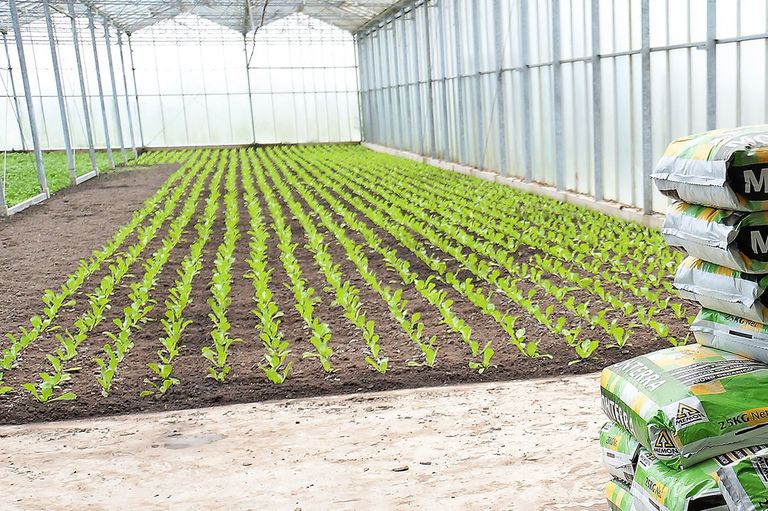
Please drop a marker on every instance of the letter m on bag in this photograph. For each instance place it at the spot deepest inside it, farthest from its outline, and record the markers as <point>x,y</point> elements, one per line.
<point>759,244</point>
<point>753,182</point>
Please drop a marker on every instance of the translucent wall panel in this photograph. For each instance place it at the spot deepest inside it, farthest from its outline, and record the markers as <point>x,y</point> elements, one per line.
<point>192,84</point>
<point>501,102</point>
<point>302,75</point>
<point>42,83</point>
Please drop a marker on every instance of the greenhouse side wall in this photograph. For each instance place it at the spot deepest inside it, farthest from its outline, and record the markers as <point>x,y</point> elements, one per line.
<point>578,95</point>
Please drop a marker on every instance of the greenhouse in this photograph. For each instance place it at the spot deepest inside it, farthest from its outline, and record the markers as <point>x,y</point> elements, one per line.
<point>396,254</point>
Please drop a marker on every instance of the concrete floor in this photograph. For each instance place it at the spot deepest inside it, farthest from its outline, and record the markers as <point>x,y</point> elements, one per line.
<point>524,445</point>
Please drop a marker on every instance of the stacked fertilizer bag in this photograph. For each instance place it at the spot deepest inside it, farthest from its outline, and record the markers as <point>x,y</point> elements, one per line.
<point>688,426</point>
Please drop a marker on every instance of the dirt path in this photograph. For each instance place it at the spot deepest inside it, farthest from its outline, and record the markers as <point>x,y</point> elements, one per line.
<point>522,445</point>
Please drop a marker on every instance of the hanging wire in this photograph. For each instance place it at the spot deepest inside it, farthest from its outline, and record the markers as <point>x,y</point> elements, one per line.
<point>256,29</point>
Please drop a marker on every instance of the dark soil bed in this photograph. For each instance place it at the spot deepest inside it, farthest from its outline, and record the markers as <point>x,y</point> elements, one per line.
<point>40,246</point>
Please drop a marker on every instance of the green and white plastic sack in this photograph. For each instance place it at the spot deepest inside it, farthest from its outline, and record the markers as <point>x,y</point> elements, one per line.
<point>620,451</point>
<point>722,289</point>
<point>725,169</point>
<point>618,495</point>
<point>731,333</point>
<point>689,403</point>
<point>733,239</point>
<point>744,484</point>
<point>658,487</point>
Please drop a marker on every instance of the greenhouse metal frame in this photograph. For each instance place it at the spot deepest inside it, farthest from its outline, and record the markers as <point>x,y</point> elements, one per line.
<point>528,89</point>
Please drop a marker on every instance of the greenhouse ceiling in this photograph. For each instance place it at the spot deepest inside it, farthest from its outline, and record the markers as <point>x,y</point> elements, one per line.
<point>240,15</point>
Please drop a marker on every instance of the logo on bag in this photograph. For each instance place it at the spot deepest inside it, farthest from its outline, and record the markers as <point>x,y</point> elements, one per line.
<point>687,415</point>
<point>752,182</point>
<point>760,464</point>
<point>664,446</point>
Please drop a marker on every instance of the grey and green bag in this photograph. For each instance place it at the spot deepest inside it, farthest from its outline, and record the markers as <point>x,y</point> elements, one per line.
<point>725,169</point>
<point>618,495</point>
<point>620,451</point>
<point>744,484</point>
<point>689,403</point>
<point>722,289</point>
<point>733,239</point>
<point>658,487</point>
<point>731,333</point>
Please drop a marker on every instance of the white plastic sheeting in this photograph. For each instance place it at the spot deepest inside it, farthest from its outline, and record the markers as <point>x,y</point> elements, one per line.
<point>485,49</point>
<point>192,84</point>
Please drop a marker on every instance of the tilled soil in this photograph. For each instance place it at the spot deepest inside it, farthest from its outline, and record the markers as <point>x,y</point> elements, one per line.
<point>43,244</point>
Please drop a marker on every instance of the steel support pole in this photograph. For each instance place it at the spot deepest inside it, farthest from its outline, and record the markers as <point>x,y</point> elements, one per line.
<point>92,27</point>
<point>388,117</point>
<point>28,98</point>
<point>404,127</point>
<point>557,92</point>
<point>15,95</point>
<point>597,104</point>
<point>60,93</point>
<point>83,94</point>
<point>711,64</point>
<point>371,133</point>
<point>374,129</point>
<point>379,81</point>
<point>136,92</point>
<point>526,89</point>
<point>360,80</point>
<point>430,83</point>
<point>127,97</point>
<point>374,77</point>
<point>115,102</point>
<point>479,127</point>
<point>3,206</point>
<point>417,83</point>
<point>248,82</point>
<point>645,55</point>
<point>459,47</point>
<point>500,45</point>
<point>444,73</point>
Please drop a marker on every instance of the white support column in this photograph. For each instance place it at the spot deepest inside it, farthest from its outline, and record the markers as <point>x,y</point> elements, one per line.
<point>60,92</point>
<point>712,64</point>
<point>28,98</point>
<point>136,92</point>
<point>459,48</point>
<point>557,98</point>
<point>444,76</point>
<point>83,93</point>
<point>645,55</point>
<point>115,102</point>
<point>526,79</point>
<point>501,127</point>
<point>104,121</point>
<point>360,83</point>
<point>248,80</point>
<point>597,103</point>
<point>478,81</point>
<point>127,97</point>
<point>3,208</point>
<point>430,83</point>
<point>15,95</point>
